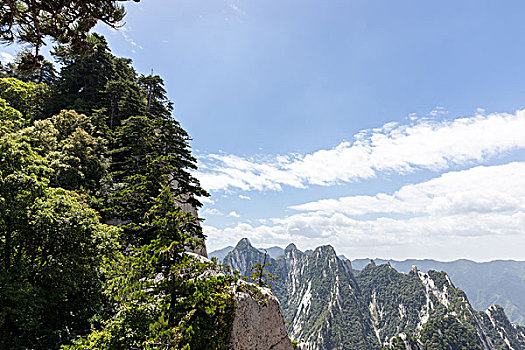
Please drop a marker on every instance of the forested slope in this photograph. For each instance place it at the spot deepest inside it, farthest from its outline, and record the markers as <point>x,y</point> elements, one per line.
<point>94,173</point>
<point>486,283</point>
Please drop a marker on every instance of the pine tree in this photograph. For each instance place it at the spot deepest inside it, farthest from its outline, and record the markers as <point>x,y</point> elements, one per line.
<point>148,150</point>
<point>65,22</point>
<point>83,79</point>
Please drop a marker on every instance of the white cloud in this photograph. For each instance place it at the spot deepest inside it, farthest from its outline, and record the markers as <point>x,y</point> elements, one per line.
<point>7,57</point>
<point>437,112</point>
<point>482,189</point>
<point>455,235</point>
<point>125,35</point>
<point>483,207</point>
<point>244,197</point>
<point>206,200</point>
<point>234,214</point>
<point>223,171</point>
<point>235,9</point>
<point>234,6</point>
<point>211,211</point>
<point>417,236</point>
<point>422,144</point>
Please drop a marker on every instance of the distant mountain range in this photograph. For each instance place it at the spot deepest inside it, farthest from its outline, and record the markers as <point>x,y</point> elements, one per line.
<point>329,305</point>
<point>500,282</point>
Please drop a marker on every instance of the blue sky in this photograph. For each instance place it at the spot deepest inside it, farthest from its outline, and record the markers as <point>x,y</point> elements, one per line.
<point>385,128</point>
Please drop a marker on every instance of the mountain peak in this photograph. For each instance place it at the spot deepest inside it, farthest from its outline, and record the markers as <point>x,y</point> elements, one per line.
<point>243,243</point>
<point>326,249</point>
<point>290,247</point>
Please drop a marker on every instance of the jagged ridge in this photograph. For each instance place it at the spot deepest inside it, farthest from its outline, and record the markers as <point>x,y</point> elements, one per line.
<point>327,306</point>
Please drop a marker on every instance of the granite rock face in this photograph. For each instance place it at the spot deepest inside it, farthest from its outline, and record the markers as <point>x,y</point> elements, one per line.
<point>258,322</point>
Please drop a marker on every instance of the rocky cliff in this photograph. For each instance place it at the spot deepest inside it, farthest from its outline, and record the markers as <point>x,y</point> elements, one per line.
<point>499,282</point>
<point>328,306</point>
<point>258,322</point>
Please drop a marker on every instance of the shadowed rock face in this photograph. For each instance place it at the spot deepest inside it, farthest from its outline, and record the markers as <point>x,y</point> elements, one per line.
<point>186,207</point>
<point>258,323</point>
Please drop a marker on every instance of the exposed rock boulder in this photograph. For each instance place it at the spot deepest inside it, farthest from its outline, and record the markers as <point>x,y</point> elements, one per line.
<point>258,322</point>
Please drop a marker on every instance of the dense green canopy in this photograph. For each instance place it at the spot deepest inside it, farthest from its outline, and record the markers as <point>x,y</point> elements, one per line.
<point>94,173</point>
<point>65,22</point>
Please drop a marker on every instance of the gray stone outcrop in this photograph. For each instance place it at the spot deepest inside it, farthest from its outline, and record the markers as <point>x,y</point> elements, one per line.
<point>258,322</point>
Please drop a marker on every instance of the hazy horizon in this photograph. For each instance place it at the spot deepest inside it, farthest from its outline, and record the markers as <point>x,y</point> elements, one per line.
<point>367,257</point>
